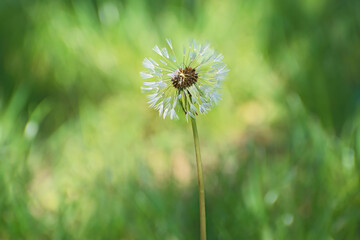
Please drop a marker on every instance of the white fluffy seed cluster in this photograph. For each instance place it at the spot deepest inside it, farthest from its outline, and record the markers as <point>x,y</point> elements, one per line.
<point>200,95</point>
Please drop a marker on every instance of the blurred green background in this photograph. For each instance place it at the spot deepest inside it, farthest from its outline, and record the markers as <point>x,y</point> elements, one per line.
<point>83,157</point>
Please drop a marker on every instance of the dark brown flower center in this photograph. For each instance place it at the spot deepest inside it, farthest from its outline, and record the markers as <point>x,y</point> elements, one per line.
<point>184,78</point>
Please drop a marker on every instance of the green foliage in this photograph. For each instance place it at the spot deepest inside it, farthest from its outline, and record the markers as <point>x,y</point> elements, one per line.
<point>82,156</point>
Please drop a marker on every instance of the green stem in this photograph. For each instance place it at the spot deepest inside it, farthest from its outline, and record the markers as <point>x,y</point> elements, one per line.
<point>200,181</point>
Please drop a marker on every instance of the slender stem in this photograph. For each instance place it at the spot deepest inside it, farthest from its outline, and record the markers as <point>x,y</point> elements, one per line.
<point>200,181</point>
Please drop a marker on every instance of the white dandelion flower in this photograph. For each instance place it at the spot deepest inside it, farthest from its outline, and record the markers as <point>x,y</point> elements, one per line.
<point>186,84</point>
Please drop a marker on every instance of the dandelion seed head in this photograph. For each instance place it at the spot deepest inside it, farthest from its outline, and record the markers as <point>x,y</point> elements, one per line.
<point>187,84</point>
